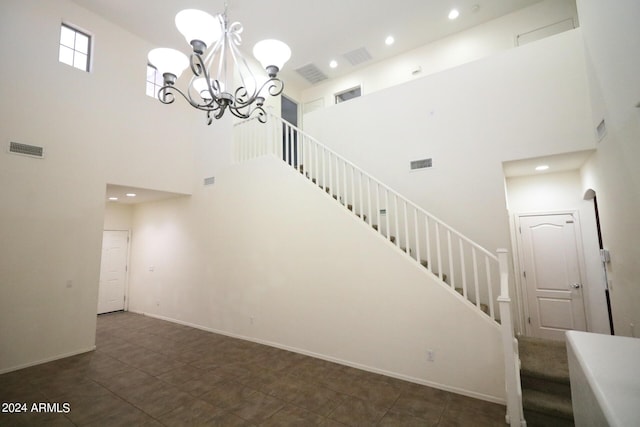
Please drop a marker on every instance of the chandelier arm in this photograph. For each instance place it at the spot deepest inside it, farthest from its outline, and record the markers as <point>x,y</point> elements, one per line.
<point>238,113</point>
<point>222,107</point>
<point>262,115</point>
<point>166,95</point>
<point>197,64</point>
<point>258,110</point>
<point>242,97</point>
<point>216,47</point>
<point>276,86</point>
<point>242,94</point>
<point>209,103</point>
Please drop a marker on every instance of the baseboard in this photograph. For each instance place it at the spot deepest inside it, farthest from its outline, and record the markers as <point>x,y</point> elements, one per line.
<point>444,387</point>
<point>46,360</point>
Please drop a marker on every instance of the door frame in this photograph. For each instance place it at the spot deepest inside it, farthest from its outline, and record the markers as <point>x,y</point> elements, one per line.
<point>522,304</point>
<point>126,276</point>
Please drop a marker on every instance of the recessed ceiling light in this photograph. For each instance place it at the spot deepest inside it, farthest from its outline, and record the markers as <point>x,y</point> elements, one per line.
<point>131,194</point>
<point>113,199</point>
<point>542,167</point>
<point>389,40</point>
<point>453,14</point>
<point>333,63</point>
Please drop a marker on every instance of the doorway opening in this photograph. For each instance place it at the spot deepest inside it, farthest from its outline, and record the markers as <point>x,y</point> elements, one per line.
<point>289,113</point>
<point>604,255</point>
<point>552,273</point>
<point>548,187</point>
<point>113,271</point>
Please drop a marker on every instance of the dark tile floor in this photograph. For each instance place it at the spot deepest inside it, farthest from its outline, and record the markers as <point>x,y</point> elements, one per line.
<point>148,372</point>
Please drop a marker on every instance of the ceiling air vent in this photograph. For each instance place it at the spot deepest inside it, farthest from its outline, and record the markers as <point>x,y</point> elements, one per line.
<point>421,164</point>
<point>26,149</point>
<point>311,73</point>
<point>358,56</point>
<point>210,180</point>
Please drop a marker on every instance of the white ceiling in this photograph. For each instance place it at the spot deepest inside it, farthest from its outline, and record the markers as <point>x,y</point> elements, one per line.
<point>142,195</point>
<point>316,30</point>
<point>557,163</point>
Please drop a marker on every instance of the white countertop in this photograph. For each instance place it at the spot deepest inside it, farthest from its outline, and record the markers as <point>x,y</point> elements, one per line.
<point>611,365</point>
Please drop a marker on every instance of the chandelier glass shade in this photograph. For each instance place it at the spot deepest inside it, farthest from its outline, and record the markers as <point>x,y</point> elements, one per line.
<point>214,59</point>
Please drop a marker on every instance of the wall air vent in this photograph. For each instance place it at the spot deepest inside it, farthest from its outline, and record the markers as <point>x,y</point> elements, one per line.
<point>421,164</point>
<point>210,180</point>
<point>358,56</point>
<point>311,73</point>
<point>26,150</point>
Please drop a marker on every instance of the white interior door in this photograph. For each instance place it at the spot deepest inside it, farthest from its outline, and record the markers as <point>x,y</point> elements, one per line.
<point>551,273</point>
<point>113,271</point>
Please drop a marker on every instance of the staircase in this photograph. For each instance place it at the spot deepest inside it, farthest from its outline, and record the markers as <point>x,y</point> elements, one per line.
<point>544,373</point>
<point>468,270</point>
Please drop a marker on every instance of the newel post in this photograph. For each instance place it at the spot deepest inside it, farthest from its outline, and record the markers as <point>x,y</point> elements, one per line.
<point>514,415</point>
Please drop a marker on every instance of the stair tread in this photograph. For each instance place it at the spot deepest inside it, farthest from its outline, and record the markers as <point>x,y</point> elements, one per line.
<point>549,404</point>
<point>545,359</point>
<point>550,387</point>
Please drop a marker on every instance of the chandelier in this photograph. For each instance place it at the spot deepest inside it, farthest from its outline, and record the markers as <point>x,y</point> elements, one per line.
<point>215,57</point>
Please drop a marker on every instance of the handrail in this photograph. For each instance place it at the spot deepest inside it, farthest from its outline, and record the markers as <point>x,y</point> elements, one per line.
<point>411,228</point>
<point>273,117</point>
<point>513,388</point>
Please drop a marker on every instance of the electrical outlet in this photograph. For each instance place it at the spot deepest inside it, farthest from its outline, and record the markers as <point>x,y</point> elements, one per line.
<point>431,356</point>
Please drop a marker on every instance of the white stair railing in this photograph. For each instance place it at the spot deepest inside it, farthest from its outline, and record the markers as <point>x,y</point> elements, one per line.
<point>460,263</point>
<point>515,414</point>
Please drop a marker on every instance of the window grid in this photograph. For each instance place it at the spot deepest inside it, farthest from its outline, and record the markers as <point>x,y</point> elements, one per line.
<point>74,48</point>
<point>154,81</point>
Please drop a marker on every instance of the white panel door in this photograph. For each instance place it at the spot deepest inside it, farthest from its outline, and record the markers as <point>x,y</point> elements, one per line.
<point>113,271</point>
<point>550,263</point>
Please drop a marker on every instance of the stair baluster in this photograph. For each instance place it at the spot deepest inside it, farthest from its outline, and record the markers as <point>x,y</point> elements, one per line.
<point>361,193</point>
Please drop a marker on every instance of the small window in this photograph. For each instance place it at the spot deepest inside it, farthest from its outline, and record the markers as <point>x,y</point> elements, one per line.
<point>348,94</point>
<point>74,48</point>
<point>154,81</point>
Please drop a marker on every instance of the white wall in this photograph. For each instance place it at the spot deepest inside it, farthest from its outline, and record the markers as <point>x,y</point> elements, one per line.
<point>562,192</point>
<point>612,40</point>
<point>521,103</point>
<point>118,216</point>
<point>460,48</point>
<point>265,255</point>
<point>96,127</point>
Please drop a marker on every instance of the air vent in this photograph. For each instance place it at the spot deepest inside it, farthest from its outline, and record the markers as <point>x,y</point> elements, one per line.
<point>421,164</point>
<point>348,94</point>
<point>210,180</point>
<point>26,150</point>
<point>358,56</point>
<point>311,73</point>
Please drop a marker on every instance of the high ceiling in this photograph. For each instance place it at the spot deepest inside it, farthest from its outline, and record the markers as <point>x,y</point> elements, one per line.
<point>316,30</point>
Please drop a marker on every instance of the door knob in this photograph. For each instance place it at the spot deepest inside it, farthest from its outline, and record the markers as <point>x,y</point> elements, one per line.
<point>575,285</point>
